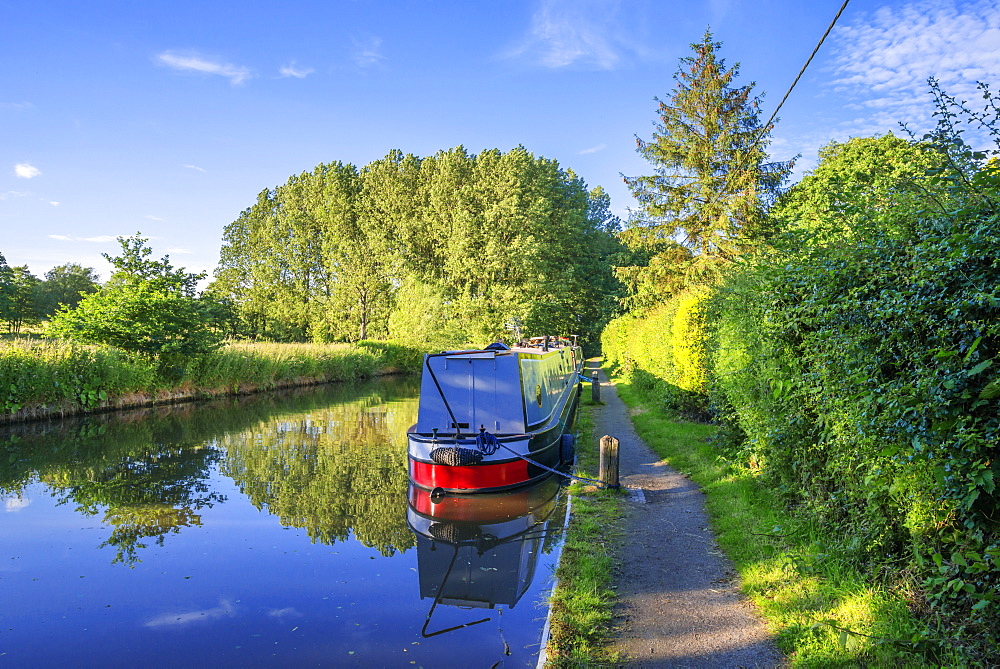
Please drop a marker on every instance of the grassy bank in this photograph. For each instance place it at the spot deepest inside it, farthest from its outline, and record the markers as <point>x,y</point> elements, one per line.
<point>823,611</point>
<point>45,378</point>
<point>582,602</point>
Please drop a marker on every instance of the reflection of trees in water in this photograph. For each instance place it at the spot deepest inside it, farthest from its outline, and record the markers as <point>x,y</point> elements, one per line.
<point>145,496</point>
<point>148,469</point>
<point>331,472</point>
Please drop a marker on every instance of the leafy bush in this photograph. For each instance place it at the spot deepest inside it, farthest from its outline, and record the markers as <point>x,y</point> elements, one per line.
<point>142,319</point>
<point>860,379</point>
<point>663,351</point>
<point>147,308</point>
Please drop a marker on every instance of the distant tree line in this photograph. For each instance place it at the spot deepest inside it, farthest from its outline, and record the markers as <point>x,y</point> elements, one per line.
<point>453,247</point>
<point>26,300</point>
<point>442,251</point>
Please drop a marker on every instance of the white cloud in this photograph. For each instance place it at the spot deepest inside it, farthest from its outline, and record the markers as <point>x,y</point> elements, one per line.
<point>884,58</point>
<point>594,149</point>
<point>225,609</point>
<point>54,204</point>
<point>11,194</point>
<point>291,70</point>
<point>288,612</point>
<point>99,240</point>
<point>16,105</point>
<point>26,171</point>
<point>564,32</point>
<point>193,63</point>
<point>195,167</point>
<point>15,504</point>
<point>153,218</point>
<point>367,52</point>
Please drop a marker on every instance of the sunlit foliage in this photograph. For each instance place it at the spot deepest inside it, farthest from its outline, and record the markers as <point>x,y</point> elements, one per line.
<point>706,201</point>
<point>851,365</point>
<point>451,247</point>
<point>147,308</point>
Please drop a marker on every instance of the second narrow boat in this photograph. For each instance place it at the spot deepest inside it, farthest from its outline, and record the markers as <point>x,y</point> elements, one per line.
<point>495,418</point>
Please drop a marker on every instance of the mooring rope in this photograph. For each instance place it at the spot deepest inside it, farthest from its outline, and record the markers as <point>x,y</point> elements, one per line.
<point>486,442</point>
<point>550,469</point>
<point>437,599</point>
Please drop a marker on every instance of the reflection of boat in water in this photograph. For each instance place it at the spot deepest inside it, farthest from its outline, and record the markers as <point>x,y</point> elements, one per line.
<point>495,419</point>
<point>479,551</point>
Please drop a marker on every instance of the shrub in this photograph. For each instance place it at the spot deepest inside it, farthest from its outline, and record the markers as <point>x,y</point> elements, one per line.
<point>863,377</point>
<point>663,351</point>
<point>147,308</point>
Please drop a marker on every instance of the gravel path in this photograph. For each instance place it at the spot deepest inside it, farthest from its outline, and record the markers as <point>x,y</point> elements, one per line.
<point>679,602</point>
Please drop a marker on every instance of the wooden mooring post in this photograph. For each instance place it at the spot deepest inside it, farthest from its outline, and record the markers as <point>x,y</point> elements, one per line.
<point>609,462</point>
<point>595,388</point>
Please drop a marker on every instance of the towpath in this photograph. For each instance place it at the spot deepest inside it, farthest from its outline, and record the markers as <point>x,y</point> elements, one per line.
<point>679,603</point>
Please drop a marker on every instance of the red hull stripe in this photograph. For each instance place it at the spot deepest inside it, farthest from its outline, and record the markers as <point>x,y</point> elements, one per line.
<point>502,474</point>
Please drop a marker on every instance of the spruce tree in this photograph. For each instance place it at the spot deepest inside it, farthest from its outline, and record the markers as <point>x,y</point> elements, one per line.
<point>711,181</point>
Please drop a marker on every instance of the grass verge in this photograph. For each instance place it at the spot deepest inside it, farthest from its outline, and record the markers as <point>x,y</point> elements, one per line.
<point>582,602</point>
<point>823,610</point>
<point>52,377</point>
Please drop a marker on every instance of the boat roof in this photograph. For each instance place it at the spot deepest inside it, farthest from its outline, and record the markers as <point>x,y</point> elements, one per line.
<point>529,345</point>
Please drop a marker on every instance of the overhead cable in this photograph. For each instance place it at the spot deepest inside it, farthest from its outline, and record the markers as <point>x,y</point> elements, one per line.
<point>802,71</point>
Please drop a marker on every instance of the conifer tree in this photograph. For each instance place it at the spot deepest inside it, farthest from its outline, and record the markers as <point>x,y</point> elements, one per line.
<point>711,181</point>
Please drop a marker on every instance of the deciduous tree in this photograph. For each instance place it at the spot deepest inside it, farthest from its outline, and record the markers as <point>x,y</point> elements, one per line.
<point>453,243</point>
<point>147,307</point>
<point>18,304</point>
<point>64,285</point>
<point>863,187</point>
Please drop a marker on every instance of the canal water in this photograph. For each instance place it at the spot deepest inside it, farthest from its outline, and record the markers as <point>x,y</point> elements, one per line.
<point>274,530</point>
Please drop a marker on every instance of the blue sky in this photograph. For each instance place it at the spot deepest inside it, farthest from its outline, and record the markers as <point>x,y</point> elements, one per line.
<point>167,118</point>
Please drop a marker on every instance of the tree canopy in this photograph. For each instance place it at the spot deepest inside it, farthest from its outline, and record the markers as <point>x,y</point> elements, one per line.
<point>862,187</point>
<point>64,285</point>
<point>147,307</point>
<point>18,288</point>
<point>453,246</point>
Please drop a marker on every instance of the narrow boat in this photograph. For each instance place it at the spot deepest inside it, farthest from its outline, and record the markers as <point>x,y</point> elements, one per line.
<point>495,418</point>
